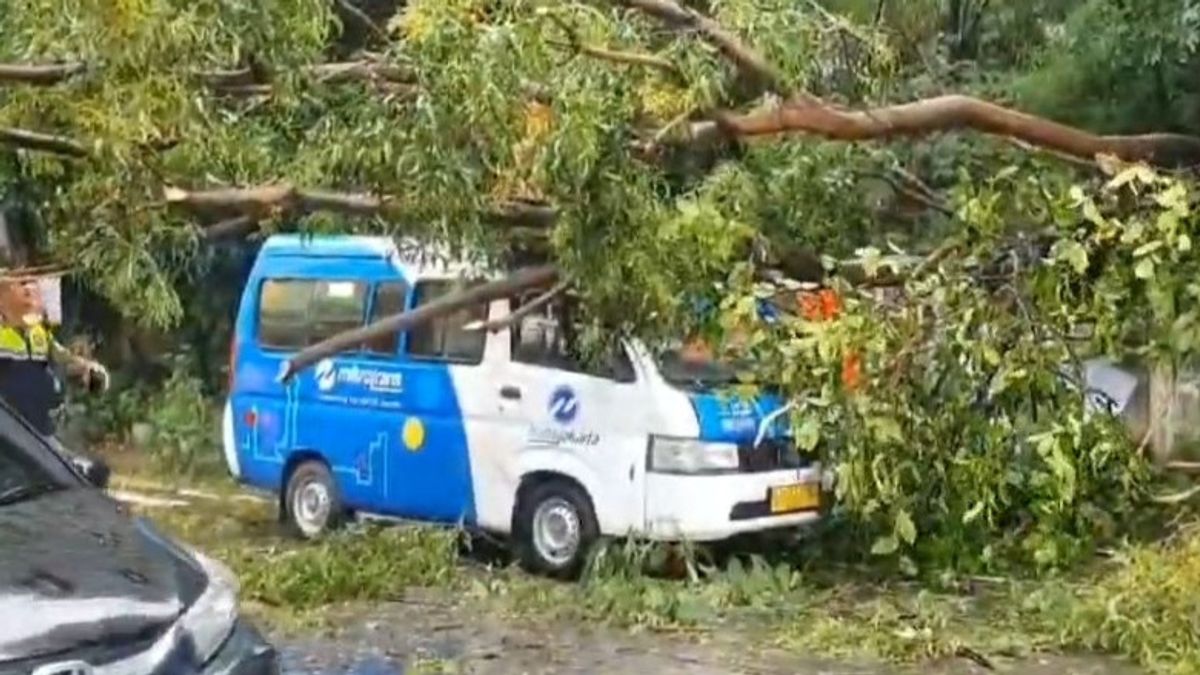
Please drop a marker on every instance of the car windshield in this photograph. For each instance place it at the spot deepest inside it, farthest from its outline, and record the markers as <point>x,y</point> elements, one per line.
<point>24,474</point>
<point>691,367</point>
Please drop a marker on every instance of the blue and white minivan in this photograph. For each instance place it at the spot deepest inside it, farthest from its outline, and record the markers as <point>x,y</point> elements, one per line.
<point>500,430</point>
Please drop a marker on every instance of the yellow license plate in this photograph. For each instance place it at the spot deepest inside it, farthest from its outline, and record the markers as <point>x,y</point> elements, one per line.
<point>799,497</point>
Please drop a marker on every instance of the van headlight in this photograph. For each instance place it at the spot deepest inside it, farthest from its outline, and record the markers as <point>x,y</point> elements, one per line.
<point>691,456</point>
<point>211,619</point>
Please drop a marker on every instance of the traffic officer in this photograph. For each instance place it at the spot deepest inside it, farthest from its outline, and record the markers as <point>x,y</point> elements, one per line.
<point>28,351</point>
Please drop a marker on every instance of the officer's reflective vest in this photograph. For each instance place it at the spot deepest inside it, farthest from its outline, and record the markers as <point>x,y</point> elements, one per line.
<point>14,345</point>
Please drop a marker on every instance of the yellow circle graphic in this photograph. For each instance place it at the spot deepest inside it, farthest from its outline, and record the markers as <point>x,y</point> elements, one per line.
<point>413,434</point>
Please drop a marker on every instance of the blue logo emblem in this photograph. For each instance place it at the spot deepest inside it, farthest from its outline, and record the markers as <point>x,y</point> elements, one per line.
<point>563,405</point>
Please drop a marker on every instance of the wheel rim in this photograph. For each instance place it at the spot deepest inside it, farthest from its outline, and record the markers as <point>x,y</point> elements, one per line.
<point>556,531</point>
<point>310,506</point>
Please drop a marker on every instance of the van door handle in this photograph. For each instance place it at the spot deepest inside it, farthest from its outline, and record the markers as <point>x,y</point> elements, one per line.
<point>510,392</point>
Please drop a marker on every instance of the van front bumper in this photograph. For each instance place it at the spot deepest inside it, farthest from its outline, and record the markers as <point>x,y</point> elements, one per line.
<point>715,507</point>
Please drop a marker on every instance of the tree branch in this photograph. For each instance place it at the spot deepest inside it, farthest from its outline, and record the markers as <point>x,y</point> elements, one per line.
<point>531,277</point>
<point>496,325</point>
<point>908,185</point>
<point>616,56</point>
<point>752,65</point>
<point>230,228</point>
<point>362,17</point>
<point>574,43</point>
<point>245,82</point>
<point>32,140</point>
<point>264,201</point>
<point>952,113</point>
<point>42,74</point>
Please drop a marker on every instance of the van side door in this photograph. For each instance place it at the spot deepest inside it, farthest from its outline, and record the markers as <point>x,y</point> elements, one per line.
<point>587,418</point>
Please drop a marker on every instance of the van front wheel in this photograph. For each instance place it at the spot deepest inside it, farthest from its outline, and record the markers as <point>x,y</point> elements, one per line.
<point>555,529</point>
<point>312,503</point>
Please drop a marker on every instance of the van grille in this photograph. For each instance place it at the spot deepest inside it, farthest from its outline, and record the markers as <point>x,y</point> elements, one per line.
<point>771,455</point>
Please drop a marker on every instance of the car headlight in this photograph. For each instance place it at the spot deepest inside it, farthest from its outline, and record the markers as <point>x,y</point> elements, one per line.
<point>211,619</point>
<point>689,455</point>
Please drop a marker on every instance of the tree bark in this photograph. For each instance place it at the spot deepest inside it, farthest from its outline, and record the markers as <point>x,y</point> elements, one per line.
<point>32,140</point>
<point>952,113</point>
<point>230,228</point>
<point>38,73</point>
<point>495,325</point>
<point>530,277</point>
<point>262,202</point>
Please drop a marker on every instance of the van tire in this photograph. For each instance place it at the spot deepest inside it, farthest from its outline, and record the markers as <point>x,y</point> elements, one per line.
<point>312,504</point>
<point>554,529</point>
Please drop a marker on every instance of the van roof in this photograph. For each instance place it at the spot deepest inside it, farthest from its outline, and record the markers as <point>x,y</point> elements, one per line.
<point>326,245</point>
<point>413,258</point>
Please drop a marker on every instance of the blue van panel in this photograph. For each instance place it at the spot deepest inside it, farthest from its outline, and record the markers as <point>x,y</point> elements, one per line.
<point>318,246</point>
<point>351,409</point>
<point>731,418</point>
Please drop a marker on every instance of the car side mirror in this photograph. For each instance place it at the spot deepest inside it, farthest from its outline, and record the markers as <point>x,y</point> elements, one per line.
<point>96,471</point>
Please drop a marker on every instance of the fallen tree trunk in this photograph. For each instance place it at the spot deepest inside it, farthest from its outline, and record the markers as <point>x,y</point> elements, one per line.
<point>33,140</point>
<point>530,277</point>
<point>263,201</point>
<point>953,113</point>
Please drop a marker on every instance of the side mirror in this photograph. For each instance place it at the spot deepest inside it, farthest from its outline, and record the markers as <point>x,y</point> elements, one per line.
<point>96,471</point>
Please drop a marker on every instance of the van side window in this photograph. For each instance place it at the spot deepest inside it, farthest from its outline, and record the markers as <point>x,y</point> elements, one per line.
<point>445,338</point>
<point>336,306</point>
<point>283,313</point>
<point>295,313</point>
<point>540,339</point>
<point>390,297</point>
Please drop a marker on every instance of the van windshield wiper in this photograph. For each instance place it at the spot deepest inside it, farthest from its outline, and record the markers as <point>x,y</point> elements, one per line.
<point>20,493</point>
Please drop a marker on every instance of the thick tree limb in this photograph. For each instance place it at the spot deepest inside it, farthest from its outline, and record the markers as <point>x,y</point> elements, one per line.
<point>531,277</point>
<point>247,82</point>
<point>496,325</point>
<point>32,140</point>
<point>264,201</point>
<point>953,113</point>
<point>49,73</point>
<point>230,228</point>
<point>529,214</point>
<point>749,63</point>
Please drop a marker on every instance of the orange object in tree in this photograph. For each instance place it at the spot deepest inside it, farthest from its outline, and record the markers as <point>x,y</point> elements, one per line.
<point>851,371</point>
<point>825,305</point>
<point>822,305</point>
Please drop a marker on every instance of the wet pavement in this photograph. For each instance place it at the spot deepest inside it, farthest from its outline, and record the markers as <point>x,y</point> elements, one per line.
<point>403,639</point>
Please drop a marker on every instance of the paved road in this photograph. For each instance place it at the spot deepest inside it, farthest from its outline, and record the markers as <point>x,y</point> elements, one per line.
<point>407,639</point>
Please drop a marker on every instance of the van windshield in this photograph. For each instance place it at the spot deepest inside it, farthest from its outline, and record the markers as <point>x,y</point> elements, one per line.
<point>685,366</point>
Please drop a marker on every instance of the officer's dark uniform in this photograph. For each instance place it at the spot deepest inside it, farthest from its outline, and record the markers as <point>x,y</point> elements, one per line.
<point>27,380</point>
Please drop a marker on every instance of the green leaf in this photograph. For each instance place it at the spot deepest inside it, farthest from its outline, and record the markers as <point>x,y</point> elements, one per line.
<point>1144,269</point>
<point>1139,173</point>
<point>809,434</point>
<point>885,545</point>
<point>973,512</point>
<point>1147,248</point>
<point>1092,213</point>
<point>1075,255</point>
<point>905,529</point>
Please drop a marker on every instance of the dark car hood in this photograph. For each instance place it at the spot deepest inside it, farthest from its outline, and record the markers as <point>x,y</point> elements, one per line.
<point>76,571</point>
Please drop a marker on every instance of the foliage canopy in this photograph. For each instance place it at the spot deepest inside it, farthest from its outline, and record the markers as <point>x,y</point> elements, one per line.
<point>468,121</point>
